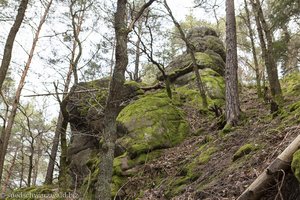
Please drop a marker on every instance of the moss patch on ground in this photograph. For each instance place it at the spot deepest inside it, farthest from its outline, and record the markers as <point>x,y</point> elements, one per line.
<point>244,150</point>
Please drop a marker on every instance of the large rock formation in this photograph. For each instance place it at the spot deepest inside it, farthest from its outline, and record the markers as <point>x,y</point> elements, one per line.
<point>85,108</point>
<point>209,52</point>
<point>148,122</point>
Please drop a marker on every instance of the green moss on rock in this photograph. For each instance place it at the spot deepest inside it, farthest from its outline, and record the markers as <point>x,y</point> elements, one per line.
<point>291,85</point>
<point>296,164</point>
<point>153,122</point>
<point>214,84</point>
<point>244,150</point>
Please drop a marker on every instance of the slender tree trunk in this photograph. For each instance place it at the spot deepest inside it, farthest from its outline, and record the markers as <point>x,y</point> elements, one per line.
<point>77,20</point>
<point>267,51</point>
<point>112,108</point>
<point>112,60</point>
<point>251,35</point>
<point>63,171</point>
<point>9,172</point>
<point>30,165</point>
<point>62,120</point>
<point>37,160</point>
<point>232,109</point>
<point>60,126</point>
<point>191,51</point>
<point>15,104</point>
<point>22,163</point>
<point>286,38</point>
<point>103,190</point>
<point>137,53</point>
<point>10,42</point>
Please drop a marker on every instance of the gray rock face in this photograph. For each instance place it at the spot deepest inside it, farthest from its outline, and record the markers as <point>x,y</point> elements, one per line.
<point>201,31</point>
<point>85,109</point>
<point>204,38</point>
<point>209,53</point>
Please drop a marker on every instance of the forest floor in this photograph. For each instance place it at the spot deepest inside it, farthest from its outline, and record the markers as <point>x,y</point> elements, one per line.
<point>204,165</point>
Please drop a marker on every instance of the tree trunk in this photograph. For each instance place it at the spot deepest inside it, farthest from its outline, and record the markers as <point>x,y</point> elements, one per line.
<point>10,42</point>
<point>62,120</point>
<point>256,66</point>
<point>9,172</point>
<point>137,53</point>
<point>30,165</point>
<point>37,160</point>
<point>267,52</point>
<point>103,190</point>
<point>282,162</point>
<point>286,38</point>
<point>22,163</point>
<point>112,108</point>
<point>60,126</point>
<point>231,79</point>
<point>11,118</point>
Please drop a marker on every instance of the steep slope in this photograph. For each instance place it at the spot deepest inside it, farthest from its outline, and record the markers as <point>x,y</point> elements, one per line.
<point>220,165</point>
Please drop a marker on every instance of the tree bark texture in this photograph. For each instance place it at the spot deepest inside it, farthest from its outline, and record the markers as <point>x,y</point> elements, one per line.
<point>231,79</point>
<point>136,76</point>
<point>254,54</point>
<point>103,189</point>
<point>112,108</point>
<point>267,51</point>
<point>10,41</point>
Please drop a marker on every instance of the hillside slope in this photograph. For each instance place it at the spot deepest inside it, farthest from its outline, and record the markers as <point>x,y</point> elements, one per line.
<point>214,164</point>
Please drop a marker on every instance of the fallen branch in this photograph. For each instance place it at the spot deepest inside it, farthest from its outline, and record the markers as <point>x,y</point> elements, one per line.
<point>281,163</point>
<point>154,87</point>
<point>61,93</point>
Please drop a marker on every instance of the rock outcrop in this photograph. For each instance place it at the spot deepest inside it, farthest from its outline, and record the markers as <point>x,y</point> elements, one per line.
<point>209,53</point>
<point>148,120</point>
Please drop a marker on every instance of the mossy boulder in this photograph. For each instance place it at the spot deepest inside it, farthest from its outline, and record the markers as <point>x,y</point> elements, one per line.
<point>209,42</point>
<point>244,150</point>
<point>209,53</point>
<point>214,84</point>
<point>151,122</point>
<point>183,64</point>
<point>296,165</point>
<point>201,31</point>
